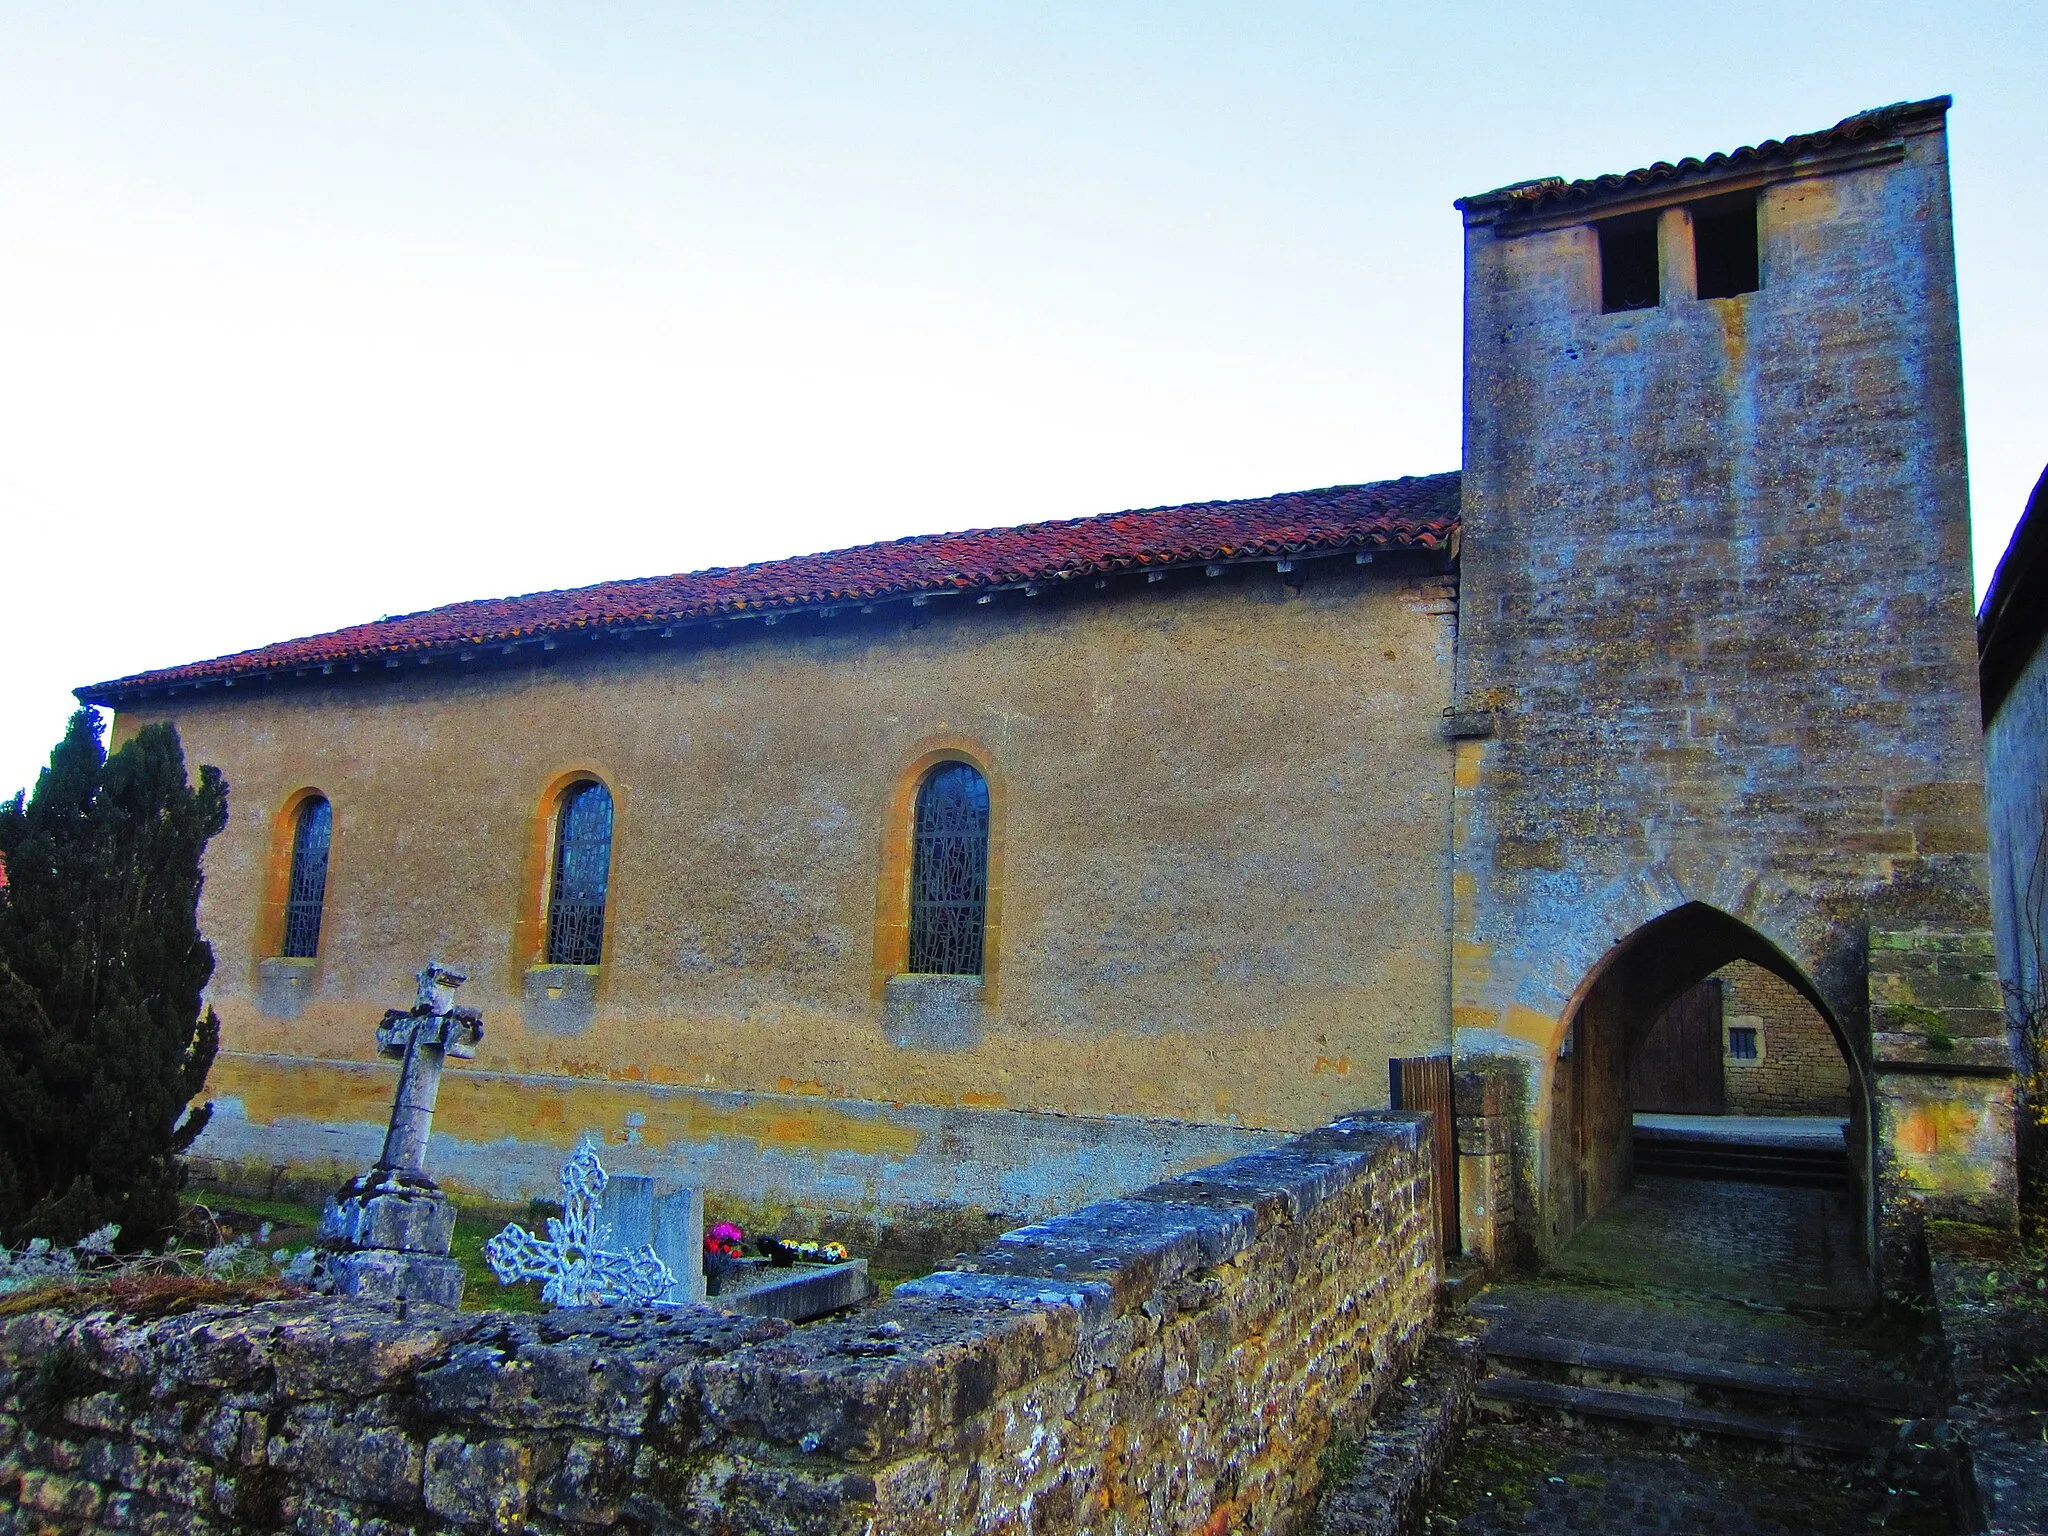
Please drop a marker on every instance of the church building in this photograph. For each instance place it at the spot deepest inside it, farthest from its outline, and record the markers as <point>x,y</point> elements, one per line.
<point>1002,870</point>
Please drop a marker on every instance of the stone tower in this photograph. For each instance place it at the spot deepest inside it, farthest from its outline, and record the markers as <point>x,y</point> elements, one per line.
<point>1716,688</point>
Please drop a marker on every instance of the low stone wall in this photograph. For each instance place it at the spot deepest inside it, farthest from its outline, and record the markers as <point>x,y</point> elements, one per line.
<point>1174,1361</point>
<point>1993,1335</point>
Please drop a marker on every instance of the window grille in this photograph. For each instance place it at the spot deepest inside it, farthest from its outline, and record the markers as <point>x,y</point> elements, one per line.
<point>1742,1043</point>
<point>583,859</point>
<point>307,893</point>
<point>949,872</point>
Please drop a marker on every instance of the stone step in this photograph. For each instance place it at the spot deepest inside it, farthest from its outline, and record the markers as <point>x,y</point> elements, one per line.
<point>1461,1282</point>
<point>1664,1413</point>
<point>1705,1158</point>
<point>1700,1380</point>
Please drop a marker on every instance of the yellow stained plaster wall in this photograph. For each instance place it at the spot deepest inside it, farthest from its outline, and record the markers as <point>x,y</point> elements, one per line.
<point>1224,809</point>
<point>486,1107</point>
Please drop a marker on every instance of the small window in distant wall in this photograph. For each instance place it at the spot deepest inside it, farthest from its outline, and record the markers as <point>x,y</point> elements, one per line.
<point>1628,264</point>
<point>1724,248</point>
<point>307,894</point>
<point>582,871</point>
<point>1741,1043</point>
<point>949,872</point>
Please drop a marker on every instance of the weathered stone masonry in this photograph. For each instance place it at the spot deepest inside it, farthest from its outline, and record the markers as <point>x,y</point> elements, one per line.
<point>1175,1361</point>
<point>1715,593</point>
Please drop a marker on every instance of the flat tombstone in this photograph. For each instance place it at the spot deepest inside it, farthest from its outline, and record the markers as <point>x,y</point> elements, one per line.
<point>637,1210</point>
<point>800,1294</point>
<point>679,1239</point>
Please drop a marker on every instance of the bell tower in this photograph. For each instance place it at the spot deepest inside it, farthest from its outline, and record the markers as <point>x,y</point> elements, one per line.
<point>1716,649</point>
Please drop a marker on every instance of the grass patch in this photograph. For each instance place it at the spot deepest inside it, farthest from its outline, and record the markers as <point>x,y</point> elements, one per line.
<point>886,1280</point>
<point>1495,1471</point>
<point>481,1291</point>
<point>1340,1460</point>
<point>145,1297</point>
<point>295,1223</point>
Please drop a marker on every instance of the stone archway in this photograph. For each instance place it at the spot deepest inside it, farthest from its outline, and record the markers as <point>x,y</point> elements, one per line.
<point>1588,1161</point>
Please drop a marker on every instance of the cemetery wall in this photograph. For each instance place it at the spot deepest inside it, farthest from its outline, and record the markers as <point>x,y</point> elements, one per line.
<point>1218,875</point>
<point>1173,1362</point>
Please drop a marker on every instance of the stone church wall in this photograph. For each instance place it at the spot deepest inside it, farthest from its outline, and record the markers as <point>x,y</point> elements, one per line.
<point>1218,888</point>
<point>1176,1362</point>
<point>1798,1068</point>
<point>892,1175</point>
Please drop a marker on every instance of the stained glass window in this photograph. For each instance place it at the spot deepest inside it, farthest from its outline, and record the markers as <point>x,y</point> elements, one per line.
<point>949,872</point>
<point>307,893</point>
<point>583,861</point>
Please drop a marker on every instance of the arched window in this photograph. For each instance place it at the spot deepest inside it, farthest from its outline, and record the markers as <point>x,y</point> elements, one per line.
<point>583,861</point>
<point>949,872</point>
<point>307,894</point>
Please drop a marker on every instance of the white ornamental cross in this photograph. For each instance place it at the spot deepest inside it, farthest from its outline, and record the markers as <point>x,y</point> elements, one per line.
<point>575,1272</point>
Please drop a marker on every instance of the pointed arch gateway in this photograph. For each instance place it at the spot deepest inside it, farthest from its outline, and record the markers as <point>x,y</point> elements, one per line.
<point>1589,1159</point>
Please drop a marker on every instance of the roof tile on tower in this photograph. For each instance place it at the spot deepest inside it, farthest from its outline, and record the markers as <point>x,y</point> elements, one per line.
<point>1553,194</point>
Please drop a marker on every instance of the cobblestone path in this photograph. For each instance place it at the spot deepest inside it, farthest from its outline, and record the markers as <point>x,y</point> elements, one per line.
<point>1742,1274</point>
<point>1758,1244</point>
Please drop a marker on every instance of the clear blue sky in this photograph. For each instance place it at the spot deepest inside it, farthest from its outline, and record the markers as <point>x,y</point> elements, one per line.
<point>310,314</point>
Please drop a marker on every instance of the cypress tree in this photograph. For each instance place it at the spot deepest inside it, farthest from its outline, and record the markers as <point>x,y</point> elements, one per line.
<point>104,1041</point>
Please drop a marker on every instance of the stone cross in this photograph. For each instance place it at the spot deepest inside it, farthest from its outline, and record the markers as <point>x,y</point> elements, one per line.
<point>433,1029</point>
<point>573,1270</point>
<point>387,1234</point>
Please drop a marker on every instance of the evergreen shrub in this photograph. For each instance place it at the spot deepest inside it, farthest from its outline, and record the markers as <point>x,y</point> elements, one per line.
<point>104,1039</point>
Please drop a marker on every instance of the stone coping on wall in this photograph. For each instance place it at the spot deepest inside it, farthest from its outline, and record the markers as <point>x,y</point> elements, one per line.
<point>1163,1362</point>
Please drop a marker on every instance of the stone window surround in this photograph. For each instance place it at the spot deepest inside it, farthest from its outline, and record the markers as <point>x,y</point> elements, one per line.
<point>1672,208</point>
<point>892,887</point>
<point>1755,1025</point>
<point>277,873</point>
<point>530,929</point>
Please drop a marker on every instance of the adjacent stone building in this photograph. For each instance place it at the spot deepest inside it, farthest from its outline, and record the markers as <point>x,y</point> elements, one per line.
<point>1016,867</point>
<point>2013,664</point>
<point>1778,1057</point>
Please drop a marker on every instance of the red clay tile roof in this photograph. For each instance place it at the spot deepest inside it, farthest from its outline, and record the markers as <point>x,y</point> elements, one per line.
<point>1553,193</point>
<point>1415,512</point>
